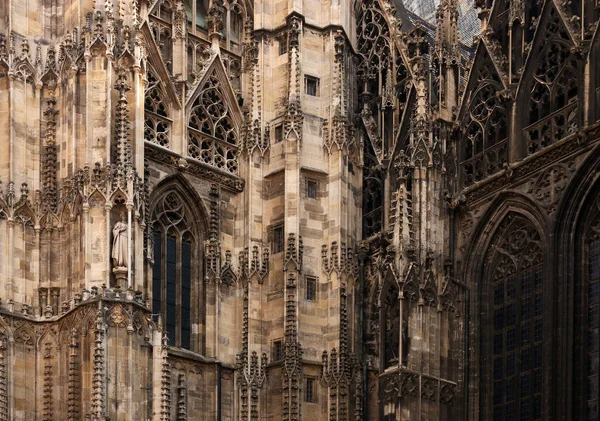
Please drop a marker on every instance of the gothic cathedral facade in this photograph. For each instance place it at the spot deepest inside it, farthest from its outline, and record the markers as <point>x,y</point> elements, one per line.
<point>299,210</point>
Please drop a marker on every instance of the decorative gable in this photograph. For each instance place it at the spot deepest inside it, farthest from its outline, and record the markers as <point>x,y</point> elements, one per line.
<point>214,120</point>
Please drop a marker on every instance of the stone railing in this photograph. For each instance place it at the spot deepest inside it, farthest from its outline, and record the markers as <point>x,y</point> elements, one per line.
<point>551,129</point>
<point>485,163</point>
<point>401,382</point>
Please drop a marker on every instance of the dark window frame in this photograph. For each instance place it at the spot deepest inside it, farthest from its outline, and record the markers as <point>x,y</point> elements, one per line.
<point>311,288</point>
<point>283,44</point>
<point>312,189</point>
<point>277,239</point>
<point>278,133</point>
<point>176,274</point>
<point>277,350</point>
<point>312,85</point>
<point>310,390</point>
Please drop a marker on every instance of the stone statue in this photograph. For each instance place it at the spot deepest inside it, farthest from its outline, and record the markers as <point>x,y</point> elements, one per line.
<point>119,249</point>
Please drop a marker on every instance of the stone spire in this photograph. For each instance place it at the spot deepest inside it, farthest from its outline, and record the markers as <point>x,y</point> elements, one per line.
<point>446,33</point>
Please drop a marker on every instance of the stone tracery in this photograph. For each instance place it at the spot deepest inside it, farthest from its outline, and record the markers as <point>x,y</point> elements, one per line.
<point>157,124</point>
<point>552,113</point>
<point>212,134</point>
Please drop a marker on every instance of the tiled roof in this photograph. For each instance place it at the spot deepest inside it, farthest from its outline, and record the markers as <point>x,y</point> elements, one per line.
<point>468,22</point>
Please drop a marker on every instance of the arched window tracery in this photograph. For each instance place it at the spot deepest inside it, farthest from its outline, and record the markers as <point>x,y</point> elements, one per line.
<point>172,273</point>
<point>485,142</point>
<point>516,283</point>
<point>157,123</point>
<point>212,135</point>
<point>553,105</point>
<point>381,70</point>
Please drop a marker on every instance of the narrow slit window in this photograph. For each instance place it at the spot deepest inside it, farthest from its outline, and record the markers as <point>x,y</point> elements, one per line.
<point>311,288</point>
<point>311,85</point>
<point>278,133</point>
<point>278,242</point>
<point>277,350</point>
<point>312,188</point>
<point>310,395</point>
<point>282,44</point>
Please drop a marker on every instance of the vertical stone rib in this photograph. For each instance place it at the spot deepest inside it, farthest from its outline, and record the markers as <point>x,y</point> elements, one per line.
<point>182,399</point>
<point>50,185</point>
<point>48,398</point>
<point>122,124</point>
<point>165,385</point>
<point>3,381</point>
<point>73,387</point>
<point>98,377</point>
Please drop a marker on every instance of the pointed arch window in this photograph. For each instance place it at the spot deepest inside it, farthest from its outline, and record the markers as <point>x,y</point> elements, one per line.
<point>157,122</point>
<point>516,282</point>
<point>172,272</point>
<point>212,134</point>
<point>553,98</point>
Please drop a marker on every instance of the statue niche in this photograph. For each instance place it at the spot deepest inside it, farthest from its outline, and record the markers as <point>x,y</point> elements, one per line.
<point>119,248</point>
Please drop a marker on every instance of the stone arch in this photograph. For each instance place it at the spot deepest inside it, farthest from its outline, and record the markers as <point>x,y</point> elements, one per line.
<point>576,212</point>
<point>508,212</point>
<point>179,229</point>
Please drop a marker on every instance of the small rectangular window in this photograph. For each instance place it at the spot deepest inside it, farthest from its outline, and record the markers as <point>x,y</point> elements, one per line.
<point>282,44</point>
<point>311,189</point>
<point>310,394</point>
<point>278,133</point>
<point>311,288</point>
<point>277,353</point>
<point>311,85</point>
<point>278,241</point>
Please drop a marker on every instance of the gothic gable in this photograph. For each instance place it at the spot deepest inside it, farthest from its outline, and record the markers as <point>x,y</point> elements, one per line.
<point>551,30</point>
<point>214,120</point>
<point>215,76</point>
<point>483,117</point>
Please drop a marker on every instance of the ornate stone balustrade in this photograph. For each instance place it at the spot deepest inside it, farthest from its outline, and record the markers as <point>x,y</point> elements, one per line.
<point>551,129</point>
<point>484,164</point>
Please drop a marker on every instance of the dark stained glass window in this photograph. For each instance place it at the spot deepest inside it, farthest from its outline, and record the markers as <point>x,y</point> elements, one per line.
<point>517,360</point>
<point>517,312</point>
<point>157,272</point>
<point>310,395</point>
<point>171,320</point>
<point>186,292</point>
<point>593,326</point>
<point>172,270</point>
